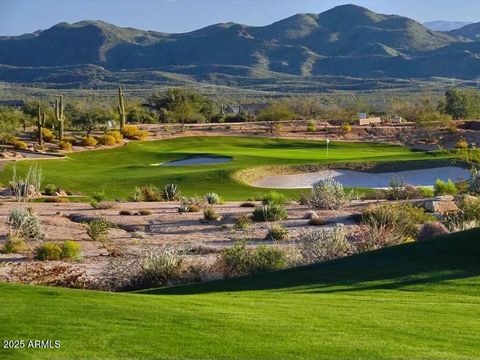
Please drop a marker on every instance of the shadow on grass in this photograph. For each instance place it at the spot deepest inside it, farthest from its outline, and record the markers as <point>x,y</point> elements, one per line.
<point>452,257</point>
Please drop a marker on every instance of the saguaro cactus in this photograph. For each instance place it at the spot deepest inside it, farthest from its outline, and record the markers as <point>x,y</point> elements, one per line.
<point>121,108</point>
<point>59,116</point>
<point>40,124</point>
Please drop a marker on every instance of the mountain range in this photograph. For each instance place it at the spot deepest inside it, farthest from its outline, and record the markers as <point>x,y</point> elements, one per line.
<point>445,25</point>
<point>346,41</point>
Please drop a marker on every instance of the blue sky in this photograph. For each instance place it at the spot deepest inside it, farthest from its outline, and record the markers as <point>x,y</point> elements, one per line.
<point>20,16</point>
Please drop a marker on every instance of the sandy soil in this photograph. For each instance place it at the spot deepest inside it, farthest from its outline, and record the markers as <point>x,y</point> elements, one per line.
<point>164,227</point>
<point>351,178</point>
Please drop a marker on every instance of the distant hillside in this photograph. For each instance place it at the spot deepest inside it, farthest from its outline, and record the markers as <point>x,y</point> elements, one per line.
<point>443,25</point>
<point>346,41</point>
<point>471,32</point>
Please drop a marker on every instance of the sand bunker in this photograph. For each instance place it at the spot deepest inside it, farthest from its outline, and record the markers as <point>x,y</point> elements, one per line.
<point>198,160</point>
<point>351,178</point>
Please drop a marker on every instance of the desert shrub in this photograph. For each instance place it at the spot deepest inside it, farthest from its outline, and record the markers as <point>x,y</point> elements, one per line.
<point>71,251</point>
<point>311,126</point>
<point>48,135</point>
<point>117,135</point>
<point>50,189</point>
<point>150,268</point>
<point>89,141</point>
<point>328,194</point>
<point>97,230</point>
<point>14,244</point>
<point>391,224</point>
<point>145,212</point>
<point>396,189</point>
<point>65,145</point>
<point>148,193</point>
<point>171,192</point>
<point>431,230</point>
<point>247,204</point>
<point>209,214</point>
<point>191,204</point>
<point>69,139</point>
<point>98,196</point>
<point>317,222</point>
<point>310,215</point>
<point>20,145</point>
<point>346,128</point>
<point>243,222</point>
<point>239,260</point>
<point>24,223</point>
<point>467,217</point>
<point>125,212</point>
<point>462,144</point>
<point>48,251</point>
<point>57,200</point>
<point>425,192</point>
<point>273,212</point>
<point>213,198</point>
<point>273,198</point>
<point>317,245</point>
<point>8,139</point>
<point>106,139</point>
<point>132,132</point>
<point>445,188</point>
<point>277,232</point>
<point>474,183</point>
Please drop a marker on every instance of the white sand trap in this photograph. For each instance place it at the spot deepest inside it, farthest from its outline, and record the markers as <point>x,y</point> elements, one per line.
<point>351,178</point>
<point>198,160</point>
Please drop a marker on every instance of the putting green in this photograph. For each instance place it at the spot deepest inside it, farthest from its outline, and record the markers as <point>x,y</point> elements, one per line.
<point>117,171</point>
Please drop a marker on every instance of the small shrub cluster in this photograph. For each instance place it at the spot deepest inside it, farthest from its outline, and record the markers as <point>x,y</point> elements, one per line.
<point>48,135</point>
<point>277,232</point>
<point>117,135</point>
<point>14,244</point>
<point>24,223</point>
<point>213,198</point>
<point>107,140</point>
<point>467,217</point>
<point>97,230</point>
<point>274,212</point>
<point>171,192</point>
<point>311,126</point>
<point>328,194</point>
<point>20,145</point>
<point>209,214</point>
<point>461,144</point>
<point>240,260</point>
<point>50,189</point>
<point>273,198</point>
<point>147,193</point>
<point>445,188</point>
<point>65,145</point>
<point>89,141</point>
<point>190,204</point>
<point>243,222</point>
<point>318,245</point>
<point>346,128</point>
<point>431,230</point>
<point>132,132</point>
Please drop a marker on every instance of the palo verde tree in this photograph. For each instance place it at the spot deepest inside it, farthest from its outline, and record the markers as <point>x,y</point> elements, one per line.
<point>92,119</point>
<point>462,103</point>
<point>274,113</point>
<point>10,122</point>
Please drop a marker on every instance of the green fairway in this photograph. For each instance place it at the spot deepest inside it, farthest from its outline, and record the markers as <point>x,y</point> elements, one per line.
<point>117,171</point>
<point>415,301</point>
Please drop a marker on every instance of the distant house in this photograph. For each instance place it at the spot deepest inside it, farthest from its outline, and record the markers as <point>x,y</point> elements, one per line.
<point>17,104</point>
<point>369,121</point>
<point>397,120</point>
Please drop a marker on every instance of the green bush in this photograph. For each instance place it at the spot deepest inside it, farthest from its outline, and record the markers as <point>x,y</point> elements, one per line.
<point>346,128</point>
<point>97,230</point>
<point>242,222</point>
<point>213,198</point>
<point>65,145</point>
<point>132,132</point>
<point>25,223</point>
<point>89,141</point>
<point>107,140</point>
<point>147,193</point>
<point>50,189</point>
<point>117,135</point>
<point>270,213</point>
<point>98,196</point>
<point>49,251</point>
<point>14,244</point>
<point>311,126</point>
<point>48,135</point>
<point>171,192</point>
<point>317,245</point>
<point>20,145</point>
<point>71,250</point>
<point>238,260</point>
<point>445,188</point>
<point>328,194</point>
<point>426,192</point>
<point>277,233</point>
<point>273,198</point>
<point>191,204</point>
<point>209,214</point>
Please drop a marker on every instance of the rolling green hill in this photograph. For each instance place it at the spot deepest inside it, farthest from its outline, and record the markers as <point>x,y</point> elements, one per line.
<point>346,41</point>
<point>414,301</point>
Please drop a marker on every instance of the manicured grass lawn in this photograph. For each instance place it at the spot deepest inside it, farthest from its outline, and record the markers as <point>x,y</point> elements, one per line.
<point>117,171</point>
<point>415,301</point>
